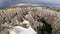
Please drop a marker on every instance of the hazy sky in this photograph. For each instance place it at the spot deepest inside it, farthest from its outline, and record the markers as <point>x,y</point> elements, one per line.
<point>4,3</point>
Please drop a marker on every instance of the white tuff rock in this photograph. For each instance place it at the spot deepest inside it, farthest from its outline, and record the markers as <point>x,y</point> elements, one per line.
<point>22,30</point>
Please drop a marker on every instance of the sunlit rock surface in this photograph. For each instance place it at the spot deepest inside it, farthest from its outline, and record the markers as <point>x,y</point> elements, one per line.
<point>22,30</point>
<point>8,17</point>
<point>27,29</point>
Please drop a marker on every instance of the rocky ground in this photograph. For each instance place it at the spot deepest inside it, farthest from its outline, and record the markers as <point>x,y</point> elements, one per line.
<point>8,17</point>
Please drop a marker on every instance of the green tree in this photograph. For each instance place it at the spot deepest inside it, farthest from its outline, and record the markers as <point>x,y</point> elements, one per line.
<point>46,29</point>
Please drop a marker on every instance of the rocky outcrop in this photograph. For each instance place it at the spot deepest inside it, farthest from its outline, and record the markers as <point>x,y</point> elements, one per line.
<point>8,17</point>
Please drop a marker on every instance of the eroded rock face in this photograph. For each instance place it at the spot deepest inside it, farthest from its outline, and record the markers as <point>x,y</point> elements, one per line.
<point>9,16</point>
<point>25,28</point>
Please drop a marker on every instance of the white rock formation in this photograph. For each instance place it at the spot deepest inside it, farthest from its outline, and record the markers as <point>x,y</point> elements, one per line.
<point>22,30</point>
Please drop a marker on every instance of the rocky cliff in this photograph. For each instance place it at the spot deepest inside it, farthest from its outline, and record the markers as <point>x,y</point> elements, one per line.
<point>8,17</point>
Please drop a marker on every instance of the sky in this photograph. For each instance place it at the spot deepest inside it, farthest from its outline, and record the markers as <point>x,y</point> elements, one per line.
<point>5,3</point>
